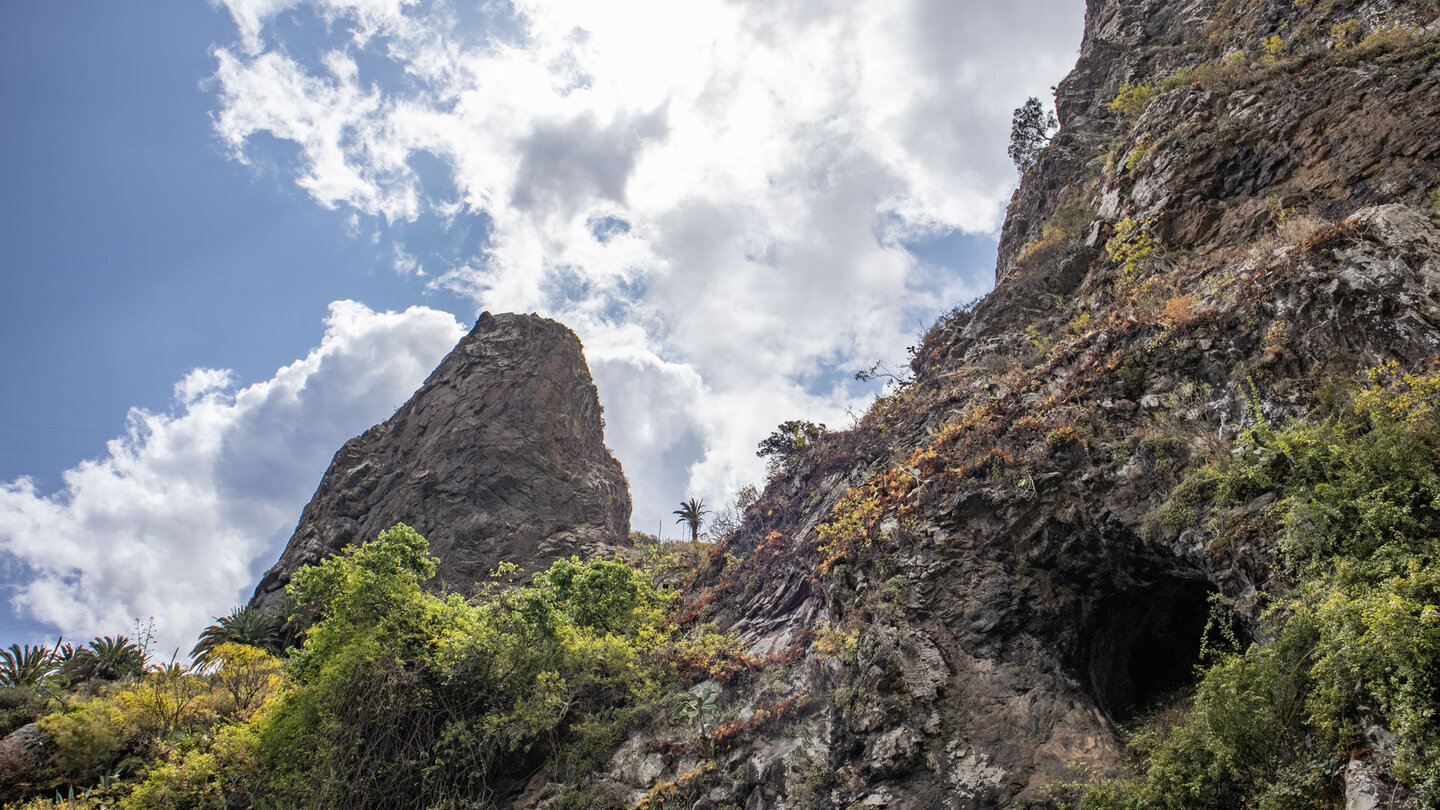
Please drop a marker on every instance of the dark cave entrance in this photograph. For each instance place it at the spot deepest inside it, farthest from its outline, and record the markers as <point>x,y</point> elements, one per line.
<point>1142,645</point>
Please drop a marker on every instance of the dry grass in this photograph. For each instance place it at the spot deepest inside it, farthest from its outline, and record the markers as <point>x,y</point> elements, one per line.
<point>1178,311</point>
<point>1293,228</point>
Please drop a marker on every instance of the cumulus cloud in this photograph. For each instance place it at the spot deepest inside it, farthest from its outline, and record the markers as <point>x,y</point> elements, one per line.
<point>720,196</point>
<point>180,515</point>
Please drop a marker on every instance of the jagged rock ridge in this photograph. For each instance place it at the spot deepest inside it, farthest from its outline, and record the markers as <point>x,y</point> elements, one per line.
<point>499,456</point>
<point>954,604</point>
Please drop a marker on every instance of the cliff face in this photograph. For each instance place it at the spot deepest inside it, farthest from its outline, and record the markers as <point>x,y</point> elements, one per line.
<point>500,456</point>
<point>956,602</point>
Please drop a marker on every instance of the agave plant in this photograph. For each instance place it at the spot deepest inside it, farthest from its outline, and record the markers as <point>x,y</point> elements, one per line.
<point>244,625</point>
<point>27,666</point>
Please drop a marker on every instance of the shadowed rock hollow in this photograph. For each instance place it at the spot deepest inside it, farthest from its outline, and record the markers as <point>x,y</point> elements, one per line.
<point>500,456</point>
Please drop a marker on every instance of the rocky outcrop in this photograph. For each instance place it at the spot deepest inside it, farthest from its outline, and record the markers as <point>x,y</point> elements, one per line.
<point>24,761</point>
<point>500,456</point>
<point>954,604</point>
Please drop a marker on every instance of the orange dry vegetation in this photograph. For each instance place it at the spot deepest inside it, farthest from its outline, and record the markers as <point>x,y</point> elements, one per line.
<point>1178,311</point>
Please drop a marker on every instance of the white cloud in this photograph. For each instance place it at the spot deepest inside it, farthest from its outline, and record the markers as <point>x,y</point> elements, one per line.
<point>716,195</point>
<point>184,510</point>
<point>203,382</point>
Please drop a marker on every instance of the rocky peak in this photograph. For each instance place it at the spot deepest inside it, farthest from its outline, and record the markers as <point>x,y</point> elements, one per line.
<point>960,599</point>
<point>499,456</point>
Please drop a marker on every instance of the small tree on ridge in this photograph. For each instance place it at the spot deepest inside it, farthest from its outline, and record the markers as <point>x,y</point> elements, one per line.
<point>1030,131</point>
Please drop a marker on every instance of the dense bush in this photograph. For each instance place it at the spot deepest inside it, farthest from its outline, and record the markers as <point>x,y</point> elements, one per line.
<point>402,698</point>
<point>398,698</point>
<point>1354,629</point>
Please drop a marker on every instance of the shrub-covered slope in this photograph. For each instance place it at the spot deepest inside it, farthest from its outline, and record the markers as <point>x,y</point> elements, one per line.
<point>978,590</point>
<point>1152,525</point>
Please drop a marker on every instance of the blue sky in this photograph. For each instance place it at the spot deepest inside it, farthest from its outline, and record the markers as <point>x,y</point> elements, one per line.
<point>238,234</point>
<point>135,248</point>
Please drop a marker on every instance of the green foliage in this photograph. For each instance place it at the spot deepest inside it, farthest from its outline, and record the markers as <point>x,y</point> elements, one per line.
<point>1346,34</point>
<point>1132,247</point>
<point>1356,638</point>
<point>790,437</point>
<point>27,666</point>
<point>163,704</point>
<point>89,738</point>
<point>105,658</point>
<point>222,772</point>
<point>244,625</point>
<point>1060,233</point>
<point>1274,48</point>
<point>691,513</point>
<point>402,697</point>
<point>1142,148</point>
<point>787,441</point>
<point>1432,201</point>
<point>399,698</point>
<point>1030,129</point>
<point>245,674</point>
<point>20,705</point>
<point>1132,99</point>
<point>697,708</point>
<point>1180,78</point>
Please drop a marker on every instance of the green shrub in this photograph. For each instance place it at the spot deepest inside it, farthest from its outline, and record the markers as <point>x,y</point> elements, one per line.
<point>1176,80</point>
<point>1432,200</point>
<point>1274,48</point>
<point>1355,630</point>
<point>89,738</point>
<point>218,774</point>
<point>402,696</point>
<point>1346,34</point>
<point>1132,99</point>
<point>1132,248</point>
<point>19,706</point>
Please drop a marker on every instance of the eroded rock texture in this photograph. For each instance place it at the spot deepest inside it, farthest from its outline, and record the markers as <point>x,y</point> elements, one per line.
<point>954,604</point>
<point>500,456</point>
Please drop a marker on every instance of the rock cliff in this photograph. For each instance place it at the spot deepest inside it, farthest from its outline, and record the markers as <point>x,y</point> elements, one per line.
<point>500,456</point>
<point>954,603</point>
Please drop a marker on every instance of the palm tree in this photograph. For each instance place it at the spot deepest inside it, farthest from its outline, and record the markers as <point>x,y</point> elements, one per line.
<point>107,658</point>
<point>244,625</point>
<point>27,666</point>
<point>692,512</point>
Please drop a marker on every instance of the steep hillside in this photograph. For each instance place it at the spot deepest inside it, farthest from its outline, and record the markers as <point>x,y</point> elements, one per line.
<point>1156,524</point>
<point>500,456</point>
<point>958,602</point>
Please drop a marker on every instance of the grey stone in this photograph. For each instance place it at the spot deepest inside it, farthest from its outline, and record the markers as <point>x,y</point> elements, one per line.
<point>499,457</point>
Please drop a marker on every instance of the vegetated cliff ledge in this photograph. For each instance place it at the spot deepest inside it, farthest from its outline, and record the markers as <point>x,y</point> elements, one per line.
<point>499,456</point>
<point>956,602</point>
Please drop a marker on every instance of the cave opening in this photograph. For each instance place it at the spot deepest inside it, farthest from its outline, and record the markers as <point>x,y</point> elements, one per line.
<point>1144,643</point>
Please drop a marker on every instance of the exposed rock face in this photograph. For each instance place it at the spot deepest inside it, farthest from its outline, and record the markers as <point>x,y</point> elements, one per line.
<point>959,599</point>
<point>500,456</point>
<point>24,761</point>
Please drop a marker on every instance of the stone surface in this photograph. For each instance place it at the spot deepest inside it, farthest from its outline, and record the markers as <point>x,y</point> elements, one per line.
<point>976,643</point>
<point>24,761</point>
<point>499,456</point>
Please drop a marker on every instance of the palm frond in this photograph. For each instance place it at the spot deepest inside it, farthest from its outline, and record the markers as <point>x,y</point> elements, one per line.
<point>27,666</point>
<point>244,625</point>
